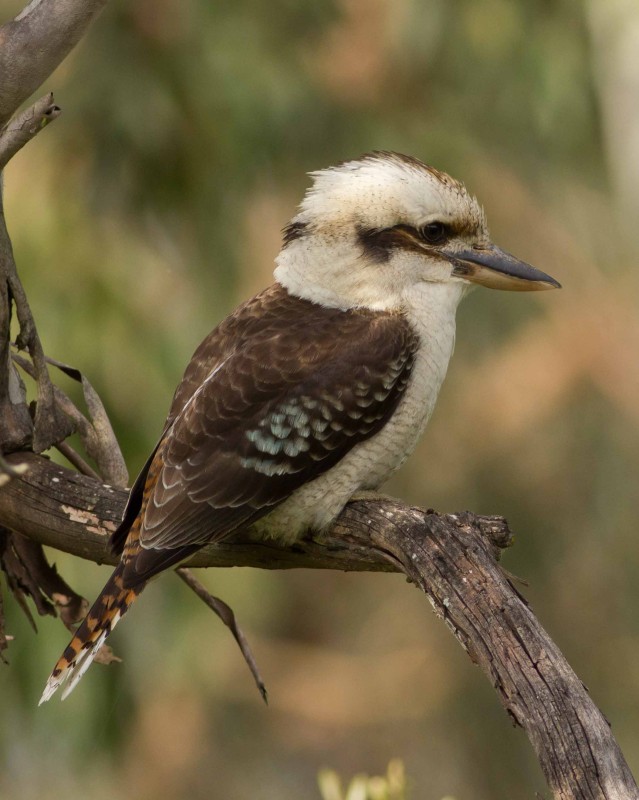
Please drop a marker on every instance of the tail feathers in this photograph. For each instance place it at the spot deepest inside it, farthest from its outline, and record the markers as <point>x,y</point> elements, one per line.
<point>112,604</point>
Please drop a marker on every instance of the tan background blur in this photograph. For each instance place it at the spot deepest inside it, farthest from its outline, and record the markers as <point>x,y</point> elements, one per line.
<point>154,205</point>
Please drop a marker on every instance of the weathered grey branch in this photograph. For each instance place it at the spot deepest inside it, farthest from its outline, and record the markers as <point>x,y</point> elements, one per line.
<point>31,46</point>
<point>34,43</point>
<point>50,425</point>
<point>452,558</point>
<point>16,426</point>
<point>76,514</point>
<point>97,435</point>
<point>22,128</point>
<point>74,458</point>
<point>225,613</point>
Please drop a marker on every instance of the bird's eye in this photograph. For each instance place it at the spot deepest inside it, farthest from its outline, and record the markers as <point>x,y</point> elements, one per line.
<point>434,232</point>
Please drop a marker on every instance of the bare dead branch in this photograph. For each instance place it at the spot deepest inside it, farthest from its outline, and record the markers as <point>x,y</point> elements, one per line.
<point>43,583</point>
<point>50,424</point>
<point>73,457</point>
<point>65,404</point>
<point>226,614</point>
<point>31,46</point>
<point>22,128</point>
<point>34,43</point>
<point>29,574</point>
<point>97,435</point>
<point>73,513</point>
<point>498,630</point>
<point>16,562</point>
<point>16,426</point>
<point>451,558</point>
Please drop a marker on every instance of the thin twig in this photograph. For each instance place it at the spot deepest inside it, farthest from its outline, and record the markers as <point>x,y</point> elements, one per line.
<point>73,457</point>
<point>225,613</point>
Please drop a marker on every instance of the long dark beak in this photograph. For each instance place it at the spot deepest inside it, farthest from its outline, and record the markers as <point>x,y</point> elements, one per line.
<point>492,267</point>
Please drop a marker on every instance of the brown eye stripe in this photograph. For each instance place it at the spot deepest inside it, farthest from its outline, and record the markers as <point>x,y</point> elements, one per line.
<point>378,245</point>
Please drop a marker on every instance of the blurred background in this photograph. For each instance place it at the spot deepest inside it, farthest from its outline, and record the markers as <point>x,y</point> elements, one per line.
<point>154,205</point>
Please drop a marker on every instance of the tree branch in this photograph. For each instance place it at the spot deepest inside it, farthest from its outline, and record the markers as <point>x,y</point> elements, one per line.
<point>76,514</point>
<point>97,435</point>
<point>16,425</point>
<point>225,613</point>
<point>34,43</point>
<point>17,429</point>
<point>452,558</point>
<point>31,46</point>
<point>22,128</point>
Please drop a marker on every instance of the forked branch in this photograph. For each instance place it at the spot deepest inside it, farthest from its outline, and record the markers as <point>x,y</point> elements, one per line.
<point>34,43</point>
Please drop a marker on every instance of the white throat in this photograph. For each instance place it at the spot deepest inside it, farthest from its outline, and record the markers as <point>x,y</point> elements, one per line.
<point>328,272</point>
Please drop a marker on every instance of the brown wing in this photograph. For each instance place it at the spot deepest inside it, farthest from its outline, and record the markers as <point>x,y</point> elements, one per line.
<point>253,318</point>
<point>286,398</point>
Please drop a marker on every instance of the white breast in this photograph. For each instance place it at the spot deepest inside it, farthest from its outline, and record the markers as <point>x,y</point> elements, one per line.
<point>431,309</point>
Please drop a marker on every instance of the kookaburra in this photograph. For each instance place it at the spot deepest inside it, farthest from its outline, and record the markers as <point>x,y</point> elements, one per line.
<point>318,387</point>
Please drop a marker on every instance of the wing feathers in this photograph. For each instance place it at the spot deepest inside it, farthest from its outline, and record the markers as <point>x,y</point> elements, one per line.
<point>286,388</point>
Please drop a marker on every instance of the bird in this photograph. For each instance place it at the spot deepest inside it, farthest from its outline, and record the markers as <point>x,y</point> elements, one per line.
<point>317,388</point>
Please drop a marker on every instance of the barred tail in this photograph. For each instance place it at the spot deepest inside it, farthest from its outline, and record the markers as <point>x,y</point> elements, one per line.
<point>111,605</point>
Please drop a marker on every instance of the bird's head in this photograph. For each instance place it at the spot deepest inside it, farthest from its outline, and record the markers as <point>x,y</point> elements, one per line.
<point>371,231</point>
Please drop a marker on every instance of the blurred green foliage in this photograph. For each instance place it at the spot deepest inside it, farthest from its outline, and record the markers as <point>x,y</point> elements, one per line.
<point>154,205</point>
